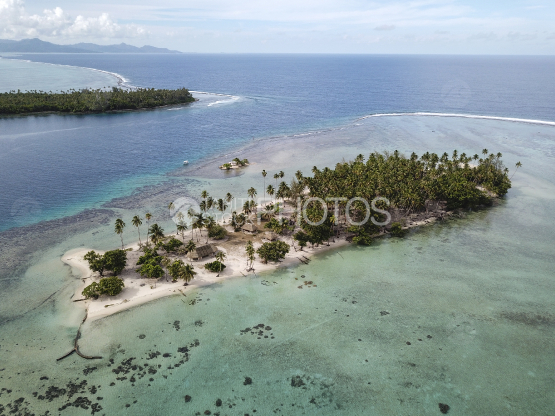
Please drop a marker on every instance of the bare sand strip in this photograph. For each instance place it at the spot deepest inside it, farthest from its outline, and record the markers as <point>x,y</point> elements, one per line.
<point>139,290</point>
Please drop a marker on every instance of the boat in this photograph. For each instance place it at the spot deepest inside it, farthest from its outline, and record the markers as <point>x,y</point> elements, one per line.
<point>185,162</point>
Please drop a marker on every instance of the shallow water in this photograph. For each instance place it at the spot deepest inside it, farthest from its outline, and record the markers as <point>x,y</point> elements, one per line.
<point>24,75</point>
<point>477,291</point>
<point>472,296</point>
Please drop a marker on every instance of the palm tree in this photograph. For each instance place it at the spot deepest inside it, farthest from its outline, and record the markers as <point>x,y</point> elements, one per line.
<point>156,233</point>
<point>228,198</point>
<point>276,177</point>
<point>188,273</point>
<point>251,192</point>
<point>148,216</point>
<point>220,256</point>
<point>518,165</point>
<point>170,207</point>
<point>250,255</point>
<point>120,225</point>
<point>264,173</point>
<point>270,190</point>
<point>199,222</point>
<point>166,263</point>
<point>221,205</point>
<point>191,214</point>
<point>191,246</point>
<point>136,221</point>
<point>180,217</point>
<point>181,228</point>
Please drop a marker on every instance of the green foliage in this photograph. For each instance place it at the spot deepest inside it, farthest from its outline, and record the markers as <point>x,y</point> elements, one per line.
<point>397,230</point>
<point>273,251</point>
<point>150,264</point>
<point>90,101</point>
<point>96,262</point>
<point>407,182</point>
<point>170,246</point>
<point>215,266</point>
<point>110,286</point>
<point>316,234</point>
<point>238,220</point>
<point>180,270</point>
<point>277,226</point>
<point>150,270</point>
<point>91,291</point>
<point>190,246</point>
<point>156,233</point>
<point>217,232</point>
<point>114,260</point>
<point>150,256</point>
<point>250,253</point>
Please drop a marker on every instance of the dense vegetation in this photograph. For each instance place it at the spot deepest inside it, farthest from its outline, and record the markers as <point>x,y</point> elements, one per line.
<point>110,286</point>
<point>150,264</point>
<point>114,261</point>
<point>90,101</point>
<point>273,251</point>
<point>408,182</point>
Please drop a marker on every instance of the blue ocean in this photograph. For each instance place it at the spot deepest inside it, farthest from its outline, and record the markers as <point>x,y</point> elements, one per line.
<point>459,313</point>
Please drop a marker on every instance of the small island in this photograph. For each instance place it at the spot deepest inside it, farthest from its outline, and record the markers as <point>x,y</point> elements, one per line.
<point>90,101</point>
<point>354,203</point>
<point>235,164</point>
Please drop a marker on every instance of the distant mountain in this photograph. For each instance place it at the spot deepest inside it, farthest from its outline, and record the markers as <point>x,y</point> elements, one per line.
<point>39,46</point>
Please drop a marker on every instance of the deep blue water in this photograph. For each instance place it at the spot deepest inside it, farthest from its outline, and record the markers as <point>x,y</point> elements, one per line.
<point>52,166</point>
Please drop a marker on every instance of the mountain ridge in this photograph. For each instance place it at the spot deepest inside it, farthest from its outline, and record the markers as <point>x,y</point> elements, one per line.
<point>36,45</point>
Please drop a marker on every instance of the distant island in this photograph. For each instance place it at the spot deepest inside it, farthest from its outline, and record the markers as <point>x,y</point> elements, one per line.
<point>90,101</point>
<point>38,46</point>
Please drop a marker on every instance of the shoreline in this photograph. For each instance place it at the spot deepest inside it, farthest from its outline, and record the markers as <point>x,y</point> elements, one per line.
<point>139,290</point>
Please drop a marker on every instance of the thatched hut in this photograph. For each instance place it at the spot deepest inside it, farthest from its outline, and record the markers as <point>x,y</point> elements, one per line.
<point>202,251</point>
<point>270,236</point>
<point>250,228</point>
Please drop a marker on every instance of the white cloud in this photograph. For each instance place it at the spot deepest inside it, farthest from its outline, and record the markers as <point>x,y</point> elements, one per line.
<point>16,23</point>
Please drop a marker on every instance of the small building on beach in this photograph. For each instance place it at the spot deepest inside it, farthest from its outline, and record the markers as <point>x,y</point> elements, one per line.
<point>270,236</point>
<point>202,251</point>
<point>250,228</point>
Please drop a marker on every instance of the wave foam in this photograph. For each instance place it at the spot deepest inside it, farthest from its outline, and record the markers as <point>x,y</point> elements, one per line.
<point>512,119</point>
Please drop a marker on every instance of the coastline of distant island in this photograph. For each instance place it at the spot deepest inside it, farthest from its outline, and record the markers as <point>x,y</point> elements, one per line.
<point>90,101</point>
<point>38,46</point>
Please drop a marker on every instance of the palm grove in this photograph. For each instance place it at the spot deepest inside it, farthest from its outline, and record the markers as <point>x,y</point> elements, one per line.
<point>409,184</point>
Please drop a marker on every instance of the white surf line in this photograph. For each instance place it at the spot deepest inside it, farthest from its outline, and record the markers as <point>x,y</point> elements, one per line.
<point>231,97</point>
<point>515,120</point>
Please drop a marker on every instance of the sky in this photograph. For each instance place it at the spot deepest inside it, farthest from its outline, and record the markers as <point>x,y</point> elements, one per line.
<point>511,27</point>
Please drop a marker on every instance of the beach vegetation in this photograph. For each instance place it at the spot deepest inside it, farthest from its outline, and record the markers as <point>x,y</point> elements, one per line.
<point>110,286</point>
<point>217,232</point>
<point>136,221</point>
<point>214,266</point>
<point>156,233</point>
<point>397,230</point>
<point>250,255</point>
<point>118,228</point>
<point>273,251</point>
<point>171,246</point>
<point>114,260</point>
<point>408,182</point>
<point>238,220</point>
<point>90,101</point>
